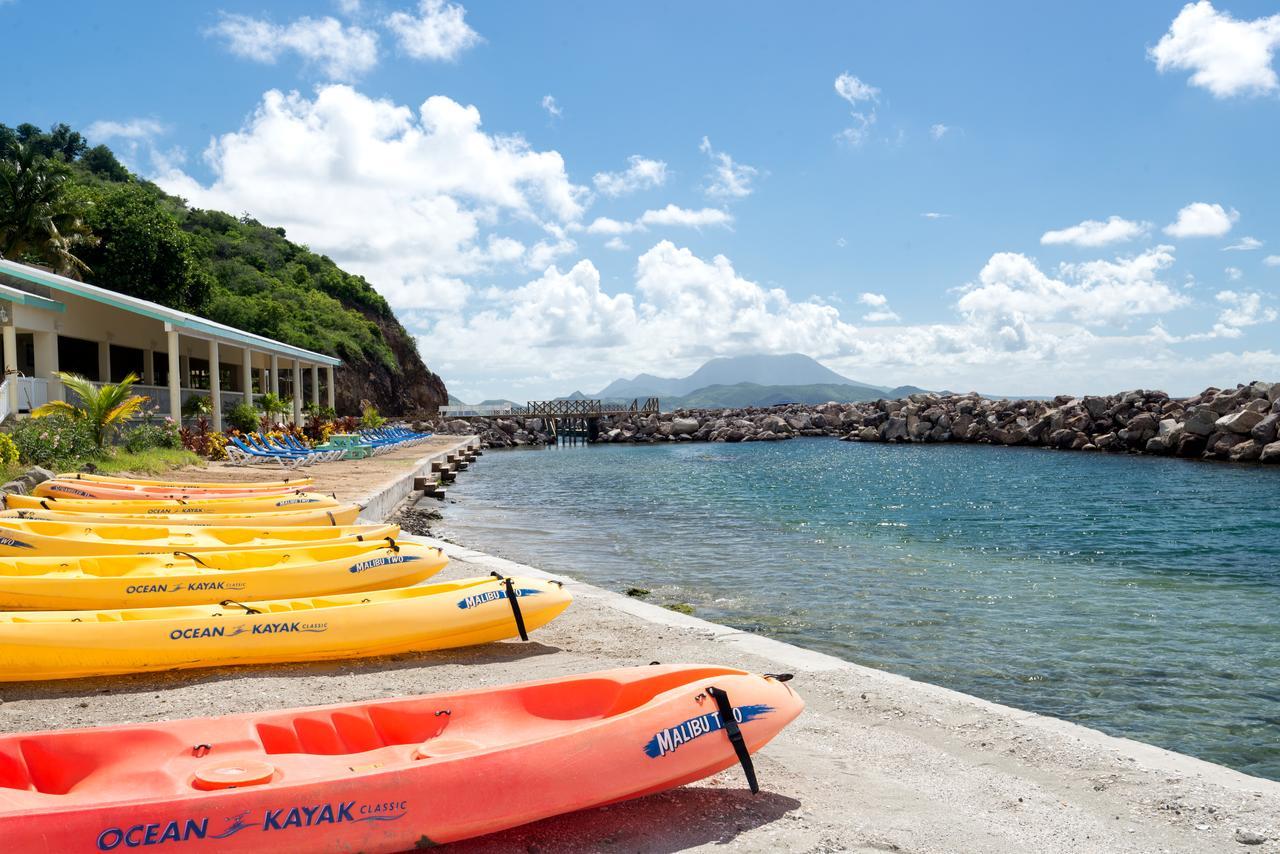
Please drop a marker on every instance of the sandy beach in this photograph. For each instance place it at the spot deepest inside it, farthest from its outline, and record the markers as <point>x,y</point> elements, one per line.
<point>877,762</point>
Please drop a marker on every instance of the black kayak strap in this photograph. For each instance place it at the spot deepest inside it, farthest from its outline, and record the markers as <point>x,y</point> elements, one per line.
<point>515,606</point>
<point>735,735</point>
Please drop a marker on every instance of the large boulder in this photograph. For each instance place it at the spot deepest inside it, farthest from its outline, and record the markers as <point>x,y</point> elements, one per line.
<point>1239,422</point>
<point>1271,453</point>
<point>1267,430</point>
<point>895,429</point>
<point>684,426</point>
<point>1200,421</point>
<point>1246,451</point>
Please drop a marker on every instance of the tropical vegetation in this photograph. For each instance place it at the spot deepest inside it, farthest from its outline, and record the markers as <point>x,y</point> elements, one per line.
<point>101,408</point>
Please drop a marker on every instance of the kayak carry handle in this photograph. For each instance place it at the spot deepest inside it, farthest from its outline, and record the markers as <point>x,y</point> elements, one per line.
<point>779,677</point>
<point>247,609</point>
<point>192,557</point>
<point>732,730</point>
<point>515,605</point>
<point>391,544</point>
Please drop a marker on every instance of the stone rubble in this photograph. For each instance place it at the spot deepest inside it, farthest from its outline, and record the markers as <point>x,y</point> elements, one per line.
<point>1240,424</point>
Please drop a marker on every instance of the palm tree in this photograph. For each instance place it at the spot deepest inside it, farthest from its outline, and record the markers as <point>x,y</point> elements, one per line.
<point>38,219</point>
<point>273,404</point>
<point>103,407</point>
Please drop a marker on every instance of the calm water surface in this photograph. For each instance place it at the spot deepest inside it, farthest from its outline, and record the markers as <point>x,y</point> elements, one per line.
<point>1138,596</point>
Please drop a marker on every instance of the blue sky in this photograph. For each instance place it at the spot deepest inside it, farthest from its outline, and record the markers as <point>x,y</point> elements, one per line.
<point>722,178</point>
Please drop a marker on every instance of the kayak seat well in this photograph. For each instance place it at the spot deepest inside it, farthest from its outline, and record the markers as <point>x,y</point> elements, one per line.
<point>355,731</point>
<point>57,764</point>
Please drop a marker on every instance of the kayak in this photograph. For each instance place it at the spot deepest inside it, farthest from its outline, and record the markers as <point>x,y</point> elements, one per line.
<point>68,644</point>
<point>164,580</point>
<point>385,775</point>
<point>260,504</point>
<point>120,492</point>
<point>345,514</point>
<point>288,483</point>
<point>19,537</point>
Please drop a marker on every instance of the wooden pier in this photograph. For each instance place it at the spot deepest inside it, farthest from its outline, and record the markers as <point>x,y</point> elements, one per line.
<point>569,420</point>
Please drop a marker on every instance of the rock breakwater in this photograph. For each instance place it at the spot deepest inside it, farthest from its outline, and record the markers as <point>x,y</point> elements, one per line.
<point>1241,424</point>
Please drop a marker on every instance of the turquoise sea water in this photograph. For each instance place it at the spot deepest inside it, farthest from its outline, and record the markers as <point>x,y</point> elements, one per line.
<point>1140,596</point>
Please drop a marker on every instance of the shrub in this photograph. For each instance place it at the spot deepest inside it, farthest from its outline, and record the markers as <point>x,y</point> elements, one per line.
<point>196,406</point>
<point>243,417</point>
<point>370,419</point>
<point>163,434</point>
<point>53,439</point>
<point>8,450</point>
<point>199,439</point>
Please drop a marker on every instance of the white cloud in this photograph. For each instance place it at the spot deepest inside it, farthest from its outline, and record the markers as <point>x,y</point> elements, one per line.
<point>1012,291</point>
<point>1246,244</point>
<point>641,173</point>
<point>549,104</point>
<point>728,179</point>
<point>682,310</point>
<point>1092,232</point>
<point>606,225</point>
<point>135,129</point>
<point>439,32</point>
<point>348,7</point>
<point>1272,260</point>
<point>617,244</point>
<point>1233,273</point>
<point>935,215</point>
<point>856,93</point>
<point>1239,311</point>
<point>413,200</point>
<point>841,242</point>
<point>1227,56</point>
<point>880,310</point>
<point>939,130</point>
<point>341,52</point>
<point>854,90</point>
<point>1201,219</point>
<point>674,215</point>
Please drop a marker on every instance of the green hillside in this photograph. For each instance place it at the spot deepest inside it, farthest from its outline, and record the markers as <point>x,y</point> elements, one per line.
<point>121,232</point>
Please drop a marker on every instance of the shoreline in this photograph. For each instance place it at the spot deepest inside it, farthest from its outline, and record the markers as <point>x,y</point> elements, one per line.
<point>878,762</point>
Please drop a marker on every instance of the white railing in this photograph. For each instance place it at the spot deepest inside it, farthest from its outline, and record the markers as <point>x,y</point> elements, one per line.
<point>464,411</point>
<point>33,392</point>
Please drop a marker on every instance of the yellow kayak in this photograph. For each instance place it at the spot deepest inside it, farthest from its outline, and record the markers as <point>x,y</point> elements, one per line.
<point>22,537</point>
<point>345,514</point>
<point>305,500</point>
<point>287,483</point>
<point>150,581</point>
<point>67,644</point>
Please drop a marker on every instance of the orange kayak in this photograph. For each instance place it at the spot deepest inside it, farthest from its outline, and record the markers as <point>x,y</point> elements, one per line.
<point>386,775</point>
<point>118,491</point>
<point>268,485</point>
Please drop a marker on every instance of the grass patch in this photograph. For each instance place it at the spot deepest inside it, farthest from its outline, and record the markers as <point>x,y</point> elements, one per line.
<point>680,608</point>
<point>151,461</point>
<point>638,592</point>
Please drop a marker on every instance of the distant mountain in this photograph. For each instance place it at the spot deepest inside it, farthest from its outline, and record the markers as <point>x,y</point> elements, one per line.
<point>498,402</point>
<point>793,369</point>
<point>453,401</point>
<point>754,394</point>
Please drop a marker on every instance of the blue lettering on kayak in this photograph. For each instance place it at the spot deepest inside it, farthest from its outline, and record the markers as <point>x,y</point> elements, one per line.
<point>156,833</point>
<point>494,596</point>
<point>285,818</point>
<point>17,544</point>
<point>287,628</point>
<point>669,739</point>
<point>197,632</point>
<point>380,561</point>
<point>289,501</point>
<point>70,490</point>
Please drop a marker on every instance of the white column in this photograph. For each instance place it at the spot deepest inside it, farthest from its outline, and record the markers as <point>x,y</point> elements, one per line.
<point>315,385</point>
<point>46,344</point>
<point>215,385</point>
<point>297,392</point>
<point>246,374</point>
<point>11,364</point>
<point>148,366</point>
<point>175,378</point>
<point>104,361</point>
<point>328,370</point>
<point>275,375</point>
